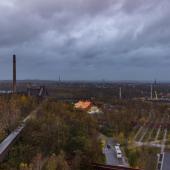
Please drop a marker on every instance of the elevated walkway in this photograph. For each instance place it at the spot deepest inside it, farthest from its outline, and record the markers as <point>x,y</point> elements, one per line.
<point>7,142</point>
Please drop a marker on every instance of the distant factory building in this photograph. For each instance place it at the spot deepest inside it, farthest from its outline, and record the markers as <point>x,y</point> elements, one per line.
<point>94,110</point>
<point>37,91</point>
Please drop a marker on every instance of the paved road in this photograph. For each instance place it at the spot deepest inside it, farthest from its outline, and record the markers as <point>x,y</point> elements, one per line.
<point>166,161</point>
<point>110,155</point>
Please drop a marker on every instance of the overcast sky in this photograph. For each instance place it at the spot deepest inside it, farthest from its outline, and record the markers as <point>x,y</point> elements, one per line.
<point>85,39</point>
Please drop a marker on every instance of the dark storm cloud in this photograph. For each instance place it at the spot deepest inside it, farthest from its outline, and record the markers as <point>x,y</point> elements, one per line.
<point>85,39</point>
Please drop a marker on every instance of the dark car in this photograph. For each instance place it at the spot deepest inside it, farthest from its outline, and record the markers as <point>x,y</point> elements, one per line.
<point>108,146</point>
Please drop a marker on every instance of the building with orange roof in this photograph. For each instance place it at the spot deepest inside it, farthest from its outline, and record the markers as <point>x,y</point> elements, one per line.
<point>83,105</point>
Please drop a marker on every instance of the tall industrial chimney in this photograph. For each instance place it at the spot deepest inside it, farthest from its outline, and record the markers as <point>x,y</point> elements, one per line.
<point>14,73</point>
<point>120,93</point>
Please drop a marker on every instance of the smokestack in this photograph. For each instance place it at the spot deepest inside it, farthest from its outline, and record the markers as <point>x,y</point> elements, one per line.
<point>14,73</point>
<point>120,93</point>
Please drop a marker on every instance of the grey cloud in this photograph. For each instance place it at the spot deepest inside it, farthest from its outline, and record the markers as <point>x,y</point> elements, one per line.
<point>72,37</point>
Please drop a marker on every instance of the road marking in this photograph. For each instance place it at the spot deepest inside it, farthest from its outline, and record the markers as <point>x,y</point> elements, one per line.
<point>141,138</point>
<point>138,132</point>
<point>158,132</point>
<point>151,132</point>
<point>162,161</point>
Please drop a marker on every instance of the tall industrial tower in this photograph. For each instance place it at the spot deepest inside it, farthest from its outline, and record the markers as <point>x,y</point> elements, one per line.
<point>14,73</point>
<point>120,93</point>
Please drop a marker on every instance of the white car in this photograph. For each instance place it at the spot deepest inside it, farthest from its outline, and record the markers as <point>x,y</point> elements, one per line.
<point>119,155</point>
<point>117,148</point>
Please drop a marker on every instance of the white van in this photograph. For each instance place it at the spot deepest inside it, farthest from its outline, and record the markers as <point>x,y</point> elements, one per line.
<point>119,155</point>
<point>118,152</point>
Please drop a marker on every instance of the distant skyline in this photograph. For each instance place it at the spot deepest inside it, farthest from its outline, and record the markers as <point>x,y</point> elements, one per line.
<point>85,39</point>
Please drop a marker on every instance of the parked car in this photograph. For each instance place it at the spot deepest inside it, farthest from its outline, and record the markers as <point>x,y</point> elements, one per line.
<point>108,146</point>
